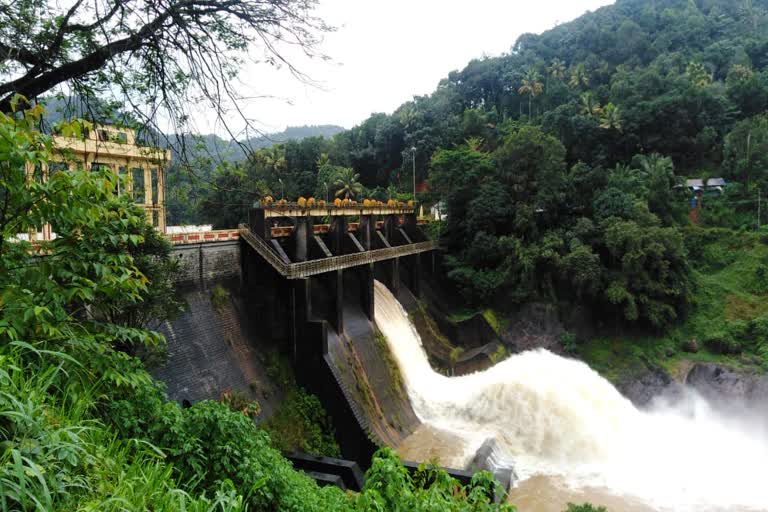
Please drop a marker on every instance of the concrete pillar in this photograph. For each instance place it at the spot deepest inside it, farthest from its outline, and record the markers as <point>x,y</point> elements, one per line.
<point>29,176</point>
<point>147,191</point>
<point>338,234</point>
<point>410,226</point>
<point>302,238</point>
<point>366,231</point>
<point>336,288</point>
<point>392,272</point>
<point>116,171</point>
<point>129,178</point>
<point>390,228</point>
<point>45,174</point>
<point>147,186</point>
<point>259,223</point>
<point>161,198</point>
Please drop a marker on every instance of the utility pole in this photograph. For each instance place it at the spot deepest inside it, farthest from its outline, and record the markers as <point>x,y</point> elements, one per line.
<point>759,201</point>
<point>413,159</point>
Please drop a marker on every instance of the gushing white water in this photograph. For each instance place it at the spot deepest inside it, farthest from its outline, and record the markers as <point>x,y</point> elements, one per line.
<point>556,416</point>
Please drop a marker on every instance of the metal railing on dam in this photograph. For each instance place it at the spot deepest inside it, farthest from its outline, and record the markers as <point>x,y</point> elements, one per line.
<point>304,269</point>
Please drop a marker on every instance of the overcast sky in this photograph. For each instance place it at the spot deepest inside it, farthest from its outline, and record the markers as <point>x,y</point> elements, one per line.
<point>385,52</point>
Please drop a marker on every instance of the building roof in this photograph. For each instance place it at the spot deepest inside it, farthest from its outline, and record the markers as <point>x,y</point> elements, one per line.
<point>699,182</point>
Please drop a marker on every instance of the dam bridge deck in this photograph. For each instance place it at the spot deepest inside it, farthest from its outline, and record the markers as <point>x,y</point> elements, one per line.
<point>303,269</point>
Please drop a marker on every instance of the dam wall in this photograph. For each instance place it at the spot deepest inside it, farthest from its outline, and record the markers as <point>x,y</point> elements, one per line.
<point>325,325</point>
<point>203,264</point>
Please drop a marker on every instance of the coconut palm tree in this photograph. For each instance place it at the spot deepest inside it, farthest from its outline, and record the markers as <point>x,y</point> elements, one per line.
<point>589,105</point>
<point>610,119</point>
<point>346,183</point>
<point>274,159</point>
<point>475,143</point>
<point>532,86</point>
<point>579,76</point>
<point>557,69</point>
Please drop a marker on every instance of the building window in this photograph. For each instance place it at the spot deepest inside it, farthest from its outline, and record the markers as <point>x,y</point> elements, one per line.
<point>122,180</point>
<point>153,173</point>
<point>138,185</point>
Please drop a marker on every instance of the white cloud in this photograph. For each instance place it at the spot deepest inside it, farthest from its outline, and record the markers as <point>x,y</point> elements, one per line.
<point>385,52</point>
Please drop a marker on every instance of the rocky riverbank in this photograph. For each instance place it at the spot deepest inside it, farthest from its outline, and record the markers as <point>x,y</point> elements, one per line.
<point>722,385</point>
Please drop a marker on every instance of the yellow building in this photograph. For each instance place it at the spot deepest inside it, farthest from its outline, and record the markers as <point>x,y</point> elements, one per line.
<point>141,168</point>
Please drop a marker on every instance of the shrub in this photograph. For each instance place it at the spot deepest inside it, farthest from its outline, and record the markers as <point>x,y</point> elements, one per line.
<point>585,507</point>
<point>237,401</point>
<point>302,424</point>
<point>499,354</point>
<point>723,342</point>
<point>568,341</point>
<point>760,283</point>
<point>219,296</point>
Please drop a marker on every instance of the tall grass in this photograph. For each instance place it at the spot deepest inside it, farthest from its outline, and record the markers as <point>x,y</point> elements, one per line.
<point>54,456</point>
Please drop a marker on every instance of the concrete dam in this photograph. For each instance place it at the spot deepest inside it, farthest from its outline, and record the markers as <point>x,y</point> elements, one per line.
<point>302,280</point>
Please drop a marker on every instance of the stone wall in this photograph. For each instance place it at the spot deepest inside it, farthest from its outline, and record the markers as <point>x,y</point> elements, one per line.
<point>206,263</point>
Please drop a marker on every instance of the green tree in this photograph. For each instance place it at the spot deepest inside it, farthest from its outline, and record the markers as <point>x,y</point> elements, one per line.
<point>531,163</point>
<point>658,174</point>
<point>589,105</point>
<point>231,193</point>
<point>610,117</point>
<point>579,76</point>
<point>531,86</point>
<point>158,55</point>
<point>698,75</point>
<point>557,69</point>
<point>346,184</point>
<point>746,151</point>
<point>87,266</point>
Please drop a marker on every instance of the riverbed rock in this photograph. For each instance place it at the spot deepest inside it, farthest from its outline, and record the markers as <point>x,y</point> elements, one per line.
<point>486,458</point>
<point>649,383</point>
<point>725,385</point>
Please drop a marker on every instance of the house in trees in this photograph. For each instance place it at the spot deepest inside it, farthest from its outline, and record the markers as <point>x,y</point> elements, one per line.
<point>709,185</point>
<point>141,168</point>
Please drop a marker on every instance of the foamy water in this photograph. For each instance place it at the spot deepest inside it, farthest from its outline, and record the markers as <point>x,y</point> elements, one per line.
<point>555,416</point>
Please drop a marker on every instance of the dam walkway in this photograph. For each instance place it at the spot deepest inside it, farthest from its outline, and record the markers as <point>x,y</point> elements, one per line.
<point>303,269</point>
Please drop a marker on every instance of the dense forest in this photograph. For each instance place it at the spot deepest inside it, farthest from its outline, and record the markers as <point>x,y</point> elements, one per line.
<point>561,162</point>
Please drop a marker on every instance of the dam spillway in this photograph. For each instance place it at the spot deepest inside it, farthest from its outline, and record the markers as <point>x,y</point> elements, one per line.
<point>555,416</point>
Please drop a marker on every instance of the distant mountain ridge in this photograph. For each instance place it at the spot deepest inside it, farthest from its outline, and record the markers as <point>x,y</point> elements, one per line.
<point>219,148</point>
